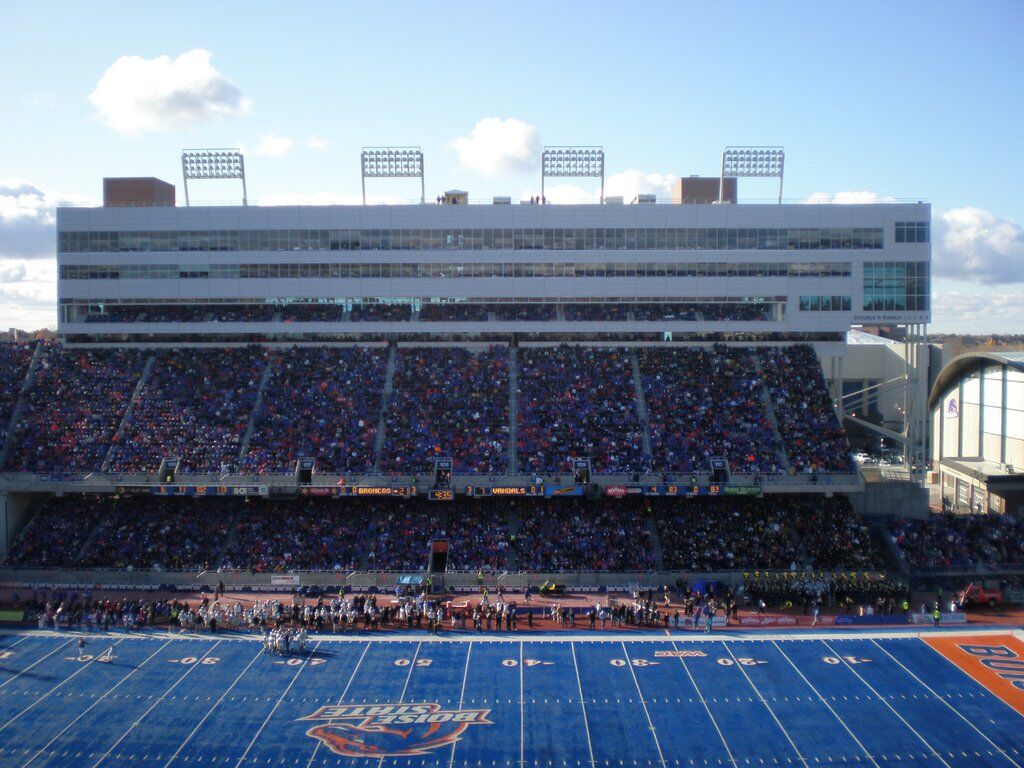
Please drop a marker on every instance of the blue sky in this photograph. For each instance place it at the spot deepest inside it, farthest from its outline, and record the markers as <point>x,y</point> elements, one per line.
<point>904,100</point>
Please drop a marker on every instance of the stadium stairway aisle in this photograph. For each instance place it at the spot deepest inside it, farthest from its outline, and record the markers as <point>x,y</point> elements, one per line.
<point>119,435</point>
<point>513,409</point>
<point>641,408</point>
<point>513,533</point>
<point>389,385</point>
<point>19,407</point>
<point>770,411</point>
<point>655,540</point>
<point>268,369</point>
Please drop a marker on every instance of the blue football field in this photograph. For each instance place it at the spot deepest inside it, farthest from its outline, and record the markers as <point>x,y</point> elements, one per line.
<point>619,700</point>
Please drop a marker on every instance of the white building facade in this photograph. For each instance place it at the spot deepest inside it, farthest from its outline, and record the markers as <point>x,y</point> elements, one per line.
<point>244,274</point>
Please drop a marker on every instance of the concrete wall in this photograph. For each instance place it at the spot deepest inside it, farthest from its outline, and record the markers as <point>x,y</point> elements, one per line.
<point>903,499</point>
<point>14,513</point>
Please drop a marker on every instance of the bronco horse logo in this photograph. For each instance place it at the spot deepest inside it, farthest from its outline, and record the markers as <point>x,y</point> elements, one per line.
<point>391,730</point>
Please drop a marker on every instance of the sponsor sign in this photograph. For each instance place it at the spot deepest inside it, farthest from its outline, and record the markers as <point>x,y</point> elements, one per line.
<point>944,618</point>
<point>769,621</point>
<point>284,579</point>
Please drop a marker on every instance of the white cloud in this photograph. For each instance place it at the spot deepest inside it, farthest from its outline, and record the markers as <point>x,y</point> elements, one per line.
<point>319,143</point>
<point>976,245</point>
<point>627,185</point>
<point>984,311</point>
<point>28,293</point>
<point>13,272</point>
<point>273,145</point>
<point>496,146</point>
<point>27,219</point>
<point>28,263</point>
<point>862,197</point>
<point>630,183</point>
<point>40,101</point>
<point>164,94</point>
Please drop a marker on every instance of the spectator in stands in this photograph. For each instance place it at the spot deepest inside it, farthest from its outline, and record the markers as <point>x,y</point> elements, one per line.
<point>195,405</point>
<point>707,403</point>
<point>448,402</point>
<point>73,409</point>
<point>576,401</point>
<point>814,439</point>
<point>321,403</point>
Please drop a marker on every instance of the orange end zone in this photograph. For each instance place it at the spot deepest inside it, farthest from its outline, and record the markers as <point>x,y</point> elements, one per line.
<point>996,662</point>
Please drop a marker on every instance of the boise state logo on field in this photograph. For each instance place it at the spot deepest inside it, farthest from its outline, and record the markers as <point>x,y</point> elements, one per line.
<point>391,730</point>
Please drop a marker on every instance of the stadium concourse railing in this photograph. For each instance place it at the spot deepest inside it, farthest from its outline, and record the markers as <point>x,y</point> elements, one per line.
<point>284,484</point>
<point>15,577</point>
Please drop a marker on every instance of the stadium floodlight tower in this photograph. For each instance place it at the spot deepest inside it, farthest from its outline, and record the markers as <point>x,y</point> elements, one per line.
<point>752,162</point>
<point>572,162</point>
<point>213,164</point>
<point>393,163</point>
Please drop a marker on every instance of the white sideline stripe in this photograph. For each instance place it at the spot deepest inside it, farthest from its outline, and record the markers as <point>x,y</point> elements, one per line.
<point>277,704</point>
<point>829,706</point>
<point>703,701</point>
<point>341,698</point>
<point>891,708</point>
<point>46,695</point>
<point>583,703</point>
<point>951,707</point>
<point>767,706</point>
<point>144,715</point>
<point>647,714</point>
<point>209,712</point>
<point>522,711</point>
<point>40,660</point>
<point>462,697</point>
<point>89,709</point>
<point>687,636</point>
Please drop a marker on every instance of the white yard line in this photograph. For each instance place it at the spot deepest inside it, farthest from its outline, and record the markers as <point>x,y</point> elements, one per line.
<point>412,666</point>
<point>579,683</point>
<point>46,695</point>
<point>34,663</point>
<point>703,701</point>
<point>341,698</point>
<point>462,696</point>
<point>277,704</point>
<point>950,706</point>
<point>887,704</point>
<point>91,707</point>
<point>144,715</point>
<point>647,714</point>
<point>767,706</point>
<point>827,705</point>
<point>522,711</point>
<point>210,711</point>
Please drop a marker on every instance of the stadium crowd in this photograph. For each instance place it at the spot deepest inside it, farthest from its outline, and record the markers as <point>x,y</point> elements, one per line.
<point>448,402</point>
<point>580,535</point>
<point>577,401</point>
<point>320,402</point>
<point>706,403</point>
<point>945,540</point>
<point>814,439</point>
<point>73,408</point>
<point>15,359</point>
<point>195,405</point>
<point>454,313</point>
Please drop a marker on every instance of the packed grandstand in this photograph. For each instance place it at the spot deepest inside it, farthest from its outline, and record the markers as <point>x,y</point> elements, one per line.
<point>383,412</point>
